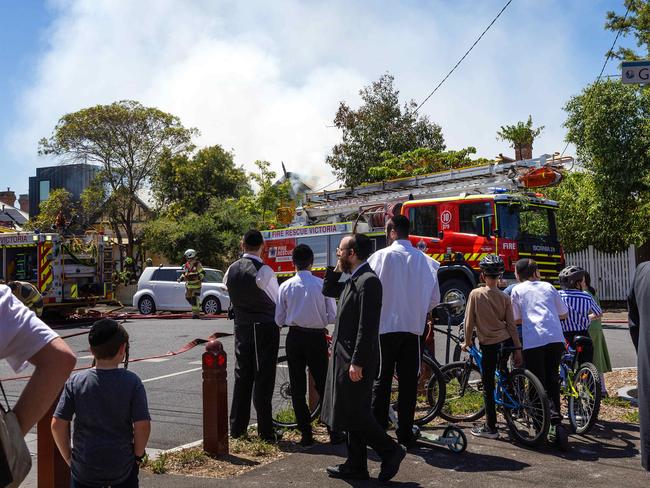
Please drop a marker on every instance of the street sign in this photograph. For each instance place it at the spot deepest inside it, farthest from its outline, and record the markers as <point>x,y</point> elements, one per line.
<point>636,71</point>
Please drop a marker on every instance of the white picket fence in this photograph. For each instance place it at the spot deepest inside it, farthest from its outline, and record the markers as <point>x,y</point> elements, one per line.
<point>611,274</point>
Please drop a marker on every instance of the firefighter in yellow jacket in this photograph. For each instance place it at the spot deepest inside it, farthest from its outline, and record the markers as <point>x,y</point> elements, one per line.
<point>193,274</point>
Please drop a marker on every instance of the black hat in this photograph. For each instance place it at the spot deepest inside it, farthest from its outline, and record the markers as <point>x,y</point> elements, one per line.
<point>106,330</point>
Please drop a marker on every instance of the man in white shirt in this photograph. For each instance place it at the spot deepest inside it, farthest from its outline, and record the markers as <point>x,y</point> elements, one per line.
<point>410,291</point>
<point>302,306</point>
<point>25,339</point>
<point>253,290</point>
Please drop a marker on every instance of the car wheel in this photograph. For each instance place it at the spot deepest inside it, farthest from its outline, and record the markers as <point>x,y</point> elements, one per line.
<point>211,305</point>
<point>146,305</point>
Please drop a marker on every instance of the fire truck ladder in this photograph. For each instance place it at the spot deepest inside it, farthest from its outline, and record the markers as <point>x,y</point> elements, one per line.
<point>346,201</point>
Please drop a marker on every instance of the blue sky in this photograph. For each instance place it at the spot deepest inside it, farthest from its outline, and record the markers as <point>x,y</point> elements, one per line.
<point>264,78</point>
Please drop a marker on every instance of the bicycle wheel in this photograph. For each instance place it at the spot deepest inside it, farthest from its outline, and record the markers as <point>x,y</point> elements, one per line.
<point>584,404</point>
<point>282,409</point>
<point>529,419</point>
<point>431,392</point>
<point>463,392</point>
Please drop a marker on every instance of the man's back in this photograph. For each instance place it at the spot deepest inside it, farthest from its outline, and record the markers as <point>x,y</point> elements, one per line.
<point>302,303</point>
<point>410,287</point>
<point>104,403</point>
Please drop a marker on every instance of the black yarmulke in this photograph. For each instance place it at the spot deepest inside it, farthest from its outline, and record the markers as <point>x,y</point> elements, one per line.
<point>103,331</point>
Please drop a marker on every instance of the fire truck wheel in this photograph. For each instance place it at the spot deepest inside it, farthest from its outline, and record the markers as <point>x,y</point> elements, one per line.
<point>146,305</point>
<point>455,290</point>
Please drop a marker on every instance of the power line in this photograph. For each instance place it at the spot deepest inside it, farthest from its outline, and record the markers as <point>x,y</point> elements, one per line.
<point>609,54</point>
<point>464,56</point>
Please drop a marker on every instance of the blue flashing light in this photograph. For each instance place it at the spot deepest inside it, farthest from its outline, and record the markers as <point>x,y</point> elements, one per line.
<point>497,190</point>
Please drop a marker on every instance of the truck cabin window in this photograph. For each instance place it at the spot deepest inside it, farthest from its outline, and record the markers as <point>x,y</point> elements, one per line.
<point>424,221</point>
<point>470,215</point>
<point>518,221</point>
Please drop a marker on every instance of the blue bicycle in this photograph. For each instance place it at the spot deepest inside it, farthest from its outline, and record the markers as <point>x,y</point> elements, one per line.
<point>518,394</point>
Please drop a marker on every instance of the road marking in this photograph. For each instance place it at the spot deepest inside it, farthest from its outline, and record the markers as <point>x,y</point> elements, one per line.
<point>170,375</point>
<point>155,360</point>
<point>195,362</point>
<point>87,357</point>
<point>282,365</point>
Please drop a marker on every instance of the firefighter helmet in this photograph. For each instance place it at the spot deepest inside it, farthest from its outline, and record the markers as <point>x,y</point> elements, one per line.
<point>492,265</point>
<point>571,275</point>
<point>190,254</point>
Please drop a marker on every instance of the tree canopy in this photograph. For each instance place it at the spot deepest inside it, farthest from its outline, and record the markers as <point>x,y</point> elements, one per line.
<point>128,140</point>
<point>184,183</point>
<point>422,161</point>
<point>520,133</point>
<point>637,23</point>
<point>608,123</point>
<point>380,124</point>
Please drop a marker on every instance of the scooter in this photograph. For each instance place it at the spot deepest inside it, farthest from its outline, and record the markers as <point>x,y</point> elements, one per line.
<point>453,437</point>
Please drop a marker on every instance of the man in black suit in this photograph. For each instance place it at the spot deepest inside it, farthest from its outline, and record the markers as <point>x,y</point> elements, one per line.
<point>354,363</point>
<point>639,319</point>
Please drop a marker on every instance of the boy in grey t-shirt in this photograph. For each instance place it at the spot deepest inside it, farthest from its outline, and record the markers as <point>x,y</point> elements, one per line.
<point>111,417</point>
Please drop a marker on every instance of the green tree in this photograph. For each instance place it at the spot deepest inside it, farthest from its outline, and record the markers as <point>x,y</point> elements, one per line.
<point>128,140</point>
<point>59,201</point>
<point>215,233</point>
<point>585,218</point>
<point>268,197</point>
<point>184,183</point>
<point>379,125</point>
<point>636,23</point>
<point>422,161</point>
<point>521,137</point>
<point>608,123</point>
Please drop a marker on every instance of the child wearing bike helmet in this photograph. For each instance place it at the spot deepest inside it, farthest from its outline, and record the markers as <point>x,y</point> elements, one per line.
<point>489,312</point>
<point>582,309</point>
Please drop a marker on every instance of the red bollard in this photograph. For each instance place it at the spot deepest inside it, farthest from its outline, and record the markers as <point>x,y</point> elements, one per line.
<point>215,399</point>
<point>53,471</point>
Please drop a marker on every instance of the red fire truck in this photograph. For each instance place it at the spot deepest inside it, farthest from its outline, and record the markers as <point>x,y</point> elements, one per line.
<point>457,217</point>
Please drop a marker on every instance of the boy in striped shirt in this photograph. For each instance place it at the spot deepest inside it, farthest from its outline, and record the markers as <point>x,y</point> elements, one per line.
<point>582,309</point>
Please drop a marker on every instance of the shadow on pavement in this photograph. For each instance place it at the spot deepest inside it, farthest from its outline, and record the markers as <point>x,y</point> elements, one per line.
<point>606,440</point>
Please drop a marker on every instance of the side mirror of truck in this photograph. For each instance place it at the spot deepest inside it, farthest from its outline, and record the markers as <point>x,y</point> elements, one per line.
<point>441,234</point>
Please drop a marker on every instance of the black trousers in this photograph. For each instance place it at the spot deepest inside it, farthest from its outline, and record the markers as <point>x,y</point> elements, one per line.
<point>306,348</point>
<point>544,362</point>
<point>401,353</point>
<point>489,365</point>
<point>367,432</point>
<point>587,353</point>
<point>256,355</point>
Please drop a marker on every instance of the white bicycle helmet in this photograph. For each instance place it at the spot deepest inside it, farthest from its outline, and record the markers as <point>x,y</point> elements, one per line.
<point>190,254</point>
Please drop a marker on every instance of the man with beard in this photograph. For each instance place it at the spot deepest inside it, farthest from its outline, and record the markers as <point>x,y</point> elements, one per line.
<point>354,363</point>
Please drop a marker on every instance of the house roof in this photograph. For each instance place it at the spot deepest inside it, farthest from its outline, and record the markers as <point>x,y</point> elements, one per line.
<point>12,217</point>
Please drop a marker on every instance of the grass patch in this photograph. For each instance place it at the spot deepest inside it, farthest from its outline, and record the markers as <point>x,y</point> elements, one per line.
<point>253,446</point>
<point>632,416</point>
<point>614,401</point>
<point>157,466</point>
<point>286,416</point>
<point>189,458</point>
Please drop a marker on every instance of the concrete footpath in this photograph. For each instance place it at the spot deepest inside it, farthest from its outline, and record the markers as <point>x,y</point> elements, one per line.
<point>608,456</point>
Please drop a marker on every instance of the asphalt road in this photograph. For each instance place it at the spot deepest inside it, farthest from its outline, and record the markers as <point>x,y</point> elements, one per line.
<point>174,384</point>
